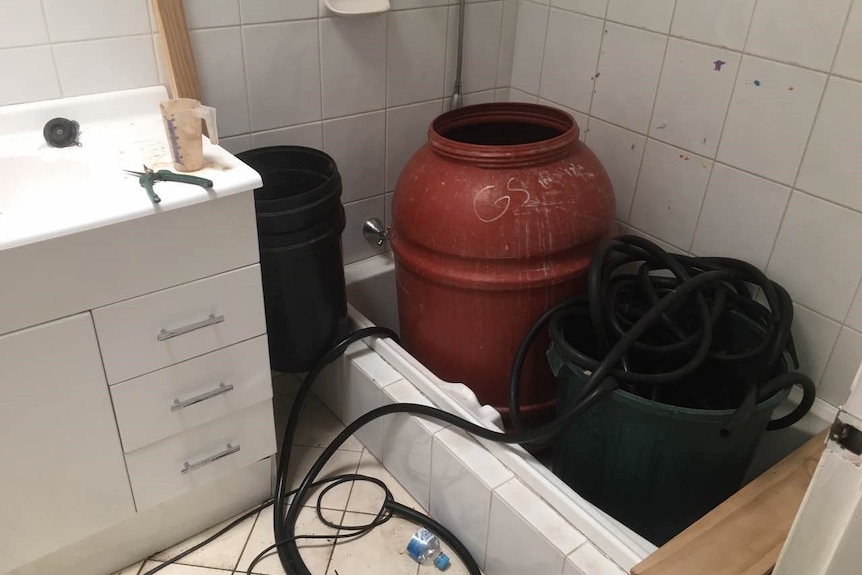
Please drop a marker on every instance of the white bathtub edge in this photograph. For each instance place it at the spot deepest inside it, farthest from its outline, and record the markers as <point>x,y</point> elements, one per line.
<point>614,540</point>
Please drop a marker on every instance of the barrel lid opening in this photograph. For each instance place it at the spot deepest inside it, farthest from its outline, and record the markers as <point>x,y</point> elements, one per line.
<point>504,134</point>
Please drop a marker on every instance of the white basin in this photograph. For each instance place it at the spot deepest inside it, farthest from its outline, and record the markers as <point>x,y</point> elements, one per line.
<point>39,184</point>
<point>47,193</point>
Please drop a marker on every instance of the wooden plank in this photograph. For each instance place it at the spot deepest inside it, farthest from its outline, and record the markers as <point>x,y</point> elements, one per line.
<point>177,49</point>
<point>745,534</point>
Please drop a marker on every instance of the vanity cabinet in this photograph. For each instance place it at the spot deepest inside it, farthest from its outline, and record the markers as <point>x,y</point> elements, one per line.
<point>63,475</point>
<point>152,389</point>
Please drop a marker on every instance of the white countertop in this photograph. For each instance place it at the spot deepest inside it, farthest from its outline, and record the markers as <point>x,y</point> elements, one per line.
<point>75,189</point>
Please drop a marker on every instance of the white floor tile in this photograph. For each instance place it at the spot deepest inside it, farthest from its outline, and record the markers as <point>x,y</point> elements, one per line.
<point>367,497</point>
<point>183,569</point>
<point>301,460</point>
<point>380,552</point>
<point>222,553</point>
<point>318,427</point>
<point>131,570</point>
<point>315,553</point>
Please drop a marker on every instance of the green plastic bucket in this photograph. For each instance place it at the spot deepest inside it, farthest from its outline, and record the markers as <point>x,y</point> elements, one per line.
<point>655,467</point>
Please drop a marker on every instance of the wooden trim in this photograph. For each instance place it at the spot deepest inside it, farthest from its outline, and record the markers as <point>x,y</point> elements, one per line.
<point>745,534</point>
<point>177,49</point>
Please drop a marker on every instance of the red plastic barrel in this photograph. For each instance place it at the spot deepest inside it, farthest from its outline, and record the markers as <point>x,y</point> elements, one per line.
<point>495,221</point>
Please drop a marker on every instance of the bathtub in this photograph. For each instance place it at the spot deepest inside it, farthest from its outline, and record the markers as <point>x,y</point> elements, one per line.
<point>352,389</point>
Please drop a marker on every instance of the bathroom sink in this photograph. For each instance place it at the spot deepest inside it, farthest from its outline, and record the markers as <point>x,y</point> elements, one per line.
<point>48,193</point>
<point>40,184</point>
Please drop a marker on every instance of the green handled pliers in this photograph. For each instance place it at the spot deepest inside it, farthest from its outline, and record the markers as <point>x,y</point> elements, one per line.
<point>148,178</point>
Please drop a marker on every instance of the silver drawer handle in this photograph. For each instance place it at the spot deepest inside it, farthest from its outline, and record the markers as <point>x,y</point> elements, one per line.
<point>211,320</point>
<point>222,388</point>
<point>188,467</point>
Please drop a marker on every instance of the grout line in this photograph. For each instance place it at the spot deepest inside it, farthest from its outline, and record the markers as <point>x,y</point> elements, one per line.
<point>652,113</point>
<point>245,73</point>
<point>721,137</point>
<point>500,34</point>
<point>604,23</point>
<point>544,52</point>
<point>320,68</point>
<point>247,539</point>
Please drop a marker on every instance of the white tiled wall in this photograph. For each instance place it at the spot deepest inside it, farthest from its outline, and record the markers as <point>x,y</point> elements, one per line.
<point>279,71</point>
<point>728,128</point>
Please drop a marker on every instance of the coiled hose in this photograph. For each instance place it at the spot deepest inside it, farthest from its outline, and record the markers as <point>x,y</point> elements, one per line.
<point>673,316</point>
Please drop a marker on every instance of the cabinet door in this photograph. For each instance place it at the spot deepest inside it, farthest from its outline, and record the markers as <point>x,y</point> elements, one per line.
<point>62,473</point>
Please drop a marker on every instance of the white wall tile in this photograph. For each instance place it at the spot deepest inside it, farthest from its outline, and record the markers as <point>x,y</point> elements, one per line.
<point>595,8</point>
<point>90,19</point>
<point>260,11</point>
<point>629,68</point>
<point>669,193</point>
<point>849,59</point>
<point>620,151</point>
<point>236,144</point>
<point>587,560</point>
<point>106,65</point>
<point>653,15</point>
<point>722,23</point>
<point>283,70</point>
<point>407,442</point>
<point>581,119</point>
<point>211,13</point>
<point>221,73</point>
<point>770,118</point>
<point>353,61</point>
<point>525,535</point>
<point>27,26</point>
<point>308,135</point>
<point>361,394</point>
<point>529,47</point>
<point>358,145</point>
<point>507,43</point>
<point>814,336</point>
<point>831,168</point>
<point>482,31</point>
<point>798,31</point>
<point>570,60</point>
<point>34,73</point>
<point>837,379</point>
<point>740,216</point>
<point>485,97</point>
<point>815,250</point>
<point>355,246</point>
<point>406,132</point>
<point>416,55</point>
<point>463,476</point>
<point>693,95</point>
<point>407,4</point>
<point>516,95</point>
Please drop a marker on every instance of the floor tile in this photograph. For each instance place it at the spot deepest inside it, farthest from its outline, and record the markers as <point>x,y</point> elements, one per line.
<point>367,497</point>
<point>184,569</point>
<point>131,569</point>
<point>222,553</point>
<point>302,458</point>
<point>318,427</point>
<point>380,552</point>
<point>315,553</point>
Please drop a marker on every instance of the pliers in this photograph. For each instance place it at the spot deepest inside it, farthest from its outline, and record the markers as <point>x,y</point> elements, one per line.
<point>148,177</point>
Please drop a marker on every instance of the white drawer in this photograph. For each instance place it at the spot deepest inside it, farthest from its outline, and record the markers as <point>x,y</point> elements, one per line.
<point>195,457</point>
<point>160,329</point>
<point>188,394</point>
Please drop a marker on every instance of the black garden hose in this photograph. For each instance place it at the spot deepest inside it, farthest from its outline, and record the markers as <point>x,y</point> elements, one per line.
<point>671,316</point>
